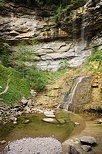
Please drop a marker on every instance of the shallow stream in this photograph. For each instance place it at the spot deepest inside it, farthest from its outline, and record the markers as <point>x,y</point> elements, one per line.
<point>36,127</point>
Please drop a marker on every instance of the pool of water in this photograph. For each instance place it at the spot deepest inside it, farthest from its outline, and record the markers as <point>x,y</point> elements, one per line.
<point>35,128</point>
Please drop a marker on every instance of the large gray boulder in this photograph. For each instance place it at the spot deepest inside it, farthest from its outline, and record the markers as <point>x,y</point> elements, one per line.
<point>88,140</point>
<point>73,150</point>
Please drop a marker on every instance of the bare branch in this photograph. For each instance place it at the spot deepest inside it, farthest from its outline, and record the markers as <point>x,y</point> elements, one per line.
<point>6,89</point>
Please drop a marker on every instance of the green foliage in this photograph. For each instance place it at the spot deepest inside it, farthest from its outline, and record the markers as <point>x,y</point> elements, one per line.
<point>71,5</point>
<point>18,85</point>
<point>2,2</point>
<point>96,55</point>
<point>38,79</point>
<point>21,56</point>
<point>50,2</point>
<point>90,64</point>
<point>4,53</point>
<point>64,64</point>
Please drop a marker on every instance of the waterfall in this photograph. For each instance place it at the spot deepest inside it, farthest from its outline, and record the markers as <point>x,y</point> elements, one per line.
<point>74,24</point>
<point>83,26</point>
<point>74,29</point>
<point>69,100</point>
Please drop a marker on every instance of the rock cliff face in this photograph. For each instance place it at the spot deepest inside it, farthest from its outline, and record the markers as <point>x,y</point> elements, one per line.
<point>69,39</point>
<point>85,20</point>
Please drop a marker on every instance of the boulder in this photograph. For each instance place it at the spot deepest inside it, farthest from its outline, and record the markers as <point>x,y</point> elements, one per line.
<point>99,121</point>
<point>73,150</point>
<point>86,148</point>
<point>88,140</point>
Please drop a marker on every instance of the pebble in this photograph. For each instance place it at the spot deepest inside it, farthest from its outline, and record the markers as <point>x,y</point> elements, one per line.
<point>2,142</point>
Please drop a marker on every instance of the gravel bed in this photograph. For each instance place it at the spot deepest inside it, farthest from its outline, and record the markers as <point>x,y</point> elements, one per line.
<point>34,146</point>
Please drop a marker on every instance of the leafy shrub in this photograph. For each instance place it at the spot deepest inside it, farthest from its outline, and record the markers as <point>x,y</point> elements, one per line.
<point>2,2</point>
<point>64,64</point>
<point>38,79</point>
<point>4,53</point>
<point>18,85</point>
<point>96,55</point>
<point>21,55</point>
<point>72,5</point>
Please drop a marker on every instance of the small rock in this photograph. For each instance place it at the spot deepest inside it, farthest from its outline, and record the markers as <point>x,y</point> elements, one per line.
<point>76,123</point>
<point>26,121</point>
<point>73,150</point>
<point>13,119</point>
<point>50,115</point>
<point>15,122</point>
<point>88,140</point>
<point>86,148</point>
<point>48,112</point>
<point>94,85</point>
<point>91,152</point>
<point>24,101</point>
<point>2,142</point>
<point>99,121</point>
<point>33,93</point>
<point>29,102</point>
<point>19,113</point>
<point>49,120</point>
<point>27,109</point>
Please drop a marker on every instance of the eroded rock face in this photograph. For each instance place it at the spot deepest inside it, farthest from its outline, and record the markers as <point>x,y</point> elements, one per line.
<point>51,55</point>
<point>19,22</point>
<point>68,40</point>
<point>85,20</point>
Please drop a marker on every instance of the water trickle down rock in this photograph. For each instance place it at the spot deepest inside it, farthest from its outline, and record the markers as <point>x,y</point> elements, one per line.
<point>69,100</point>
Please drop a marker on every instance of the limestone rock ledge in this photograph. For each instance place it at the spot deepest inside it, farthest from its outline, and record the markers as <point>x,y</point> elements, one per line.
<point>70,40</point>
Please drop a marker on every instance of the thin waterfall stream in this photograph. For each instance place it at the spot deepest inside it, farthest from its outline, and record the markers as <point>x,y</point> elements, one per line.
<point>83,25</point>
<point>69,99</point>
<point>74,30</point>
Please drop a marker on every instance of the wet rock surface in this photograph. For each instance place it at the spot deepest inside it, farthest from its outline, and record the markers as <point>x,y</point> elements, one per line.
<point>87,19</point>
